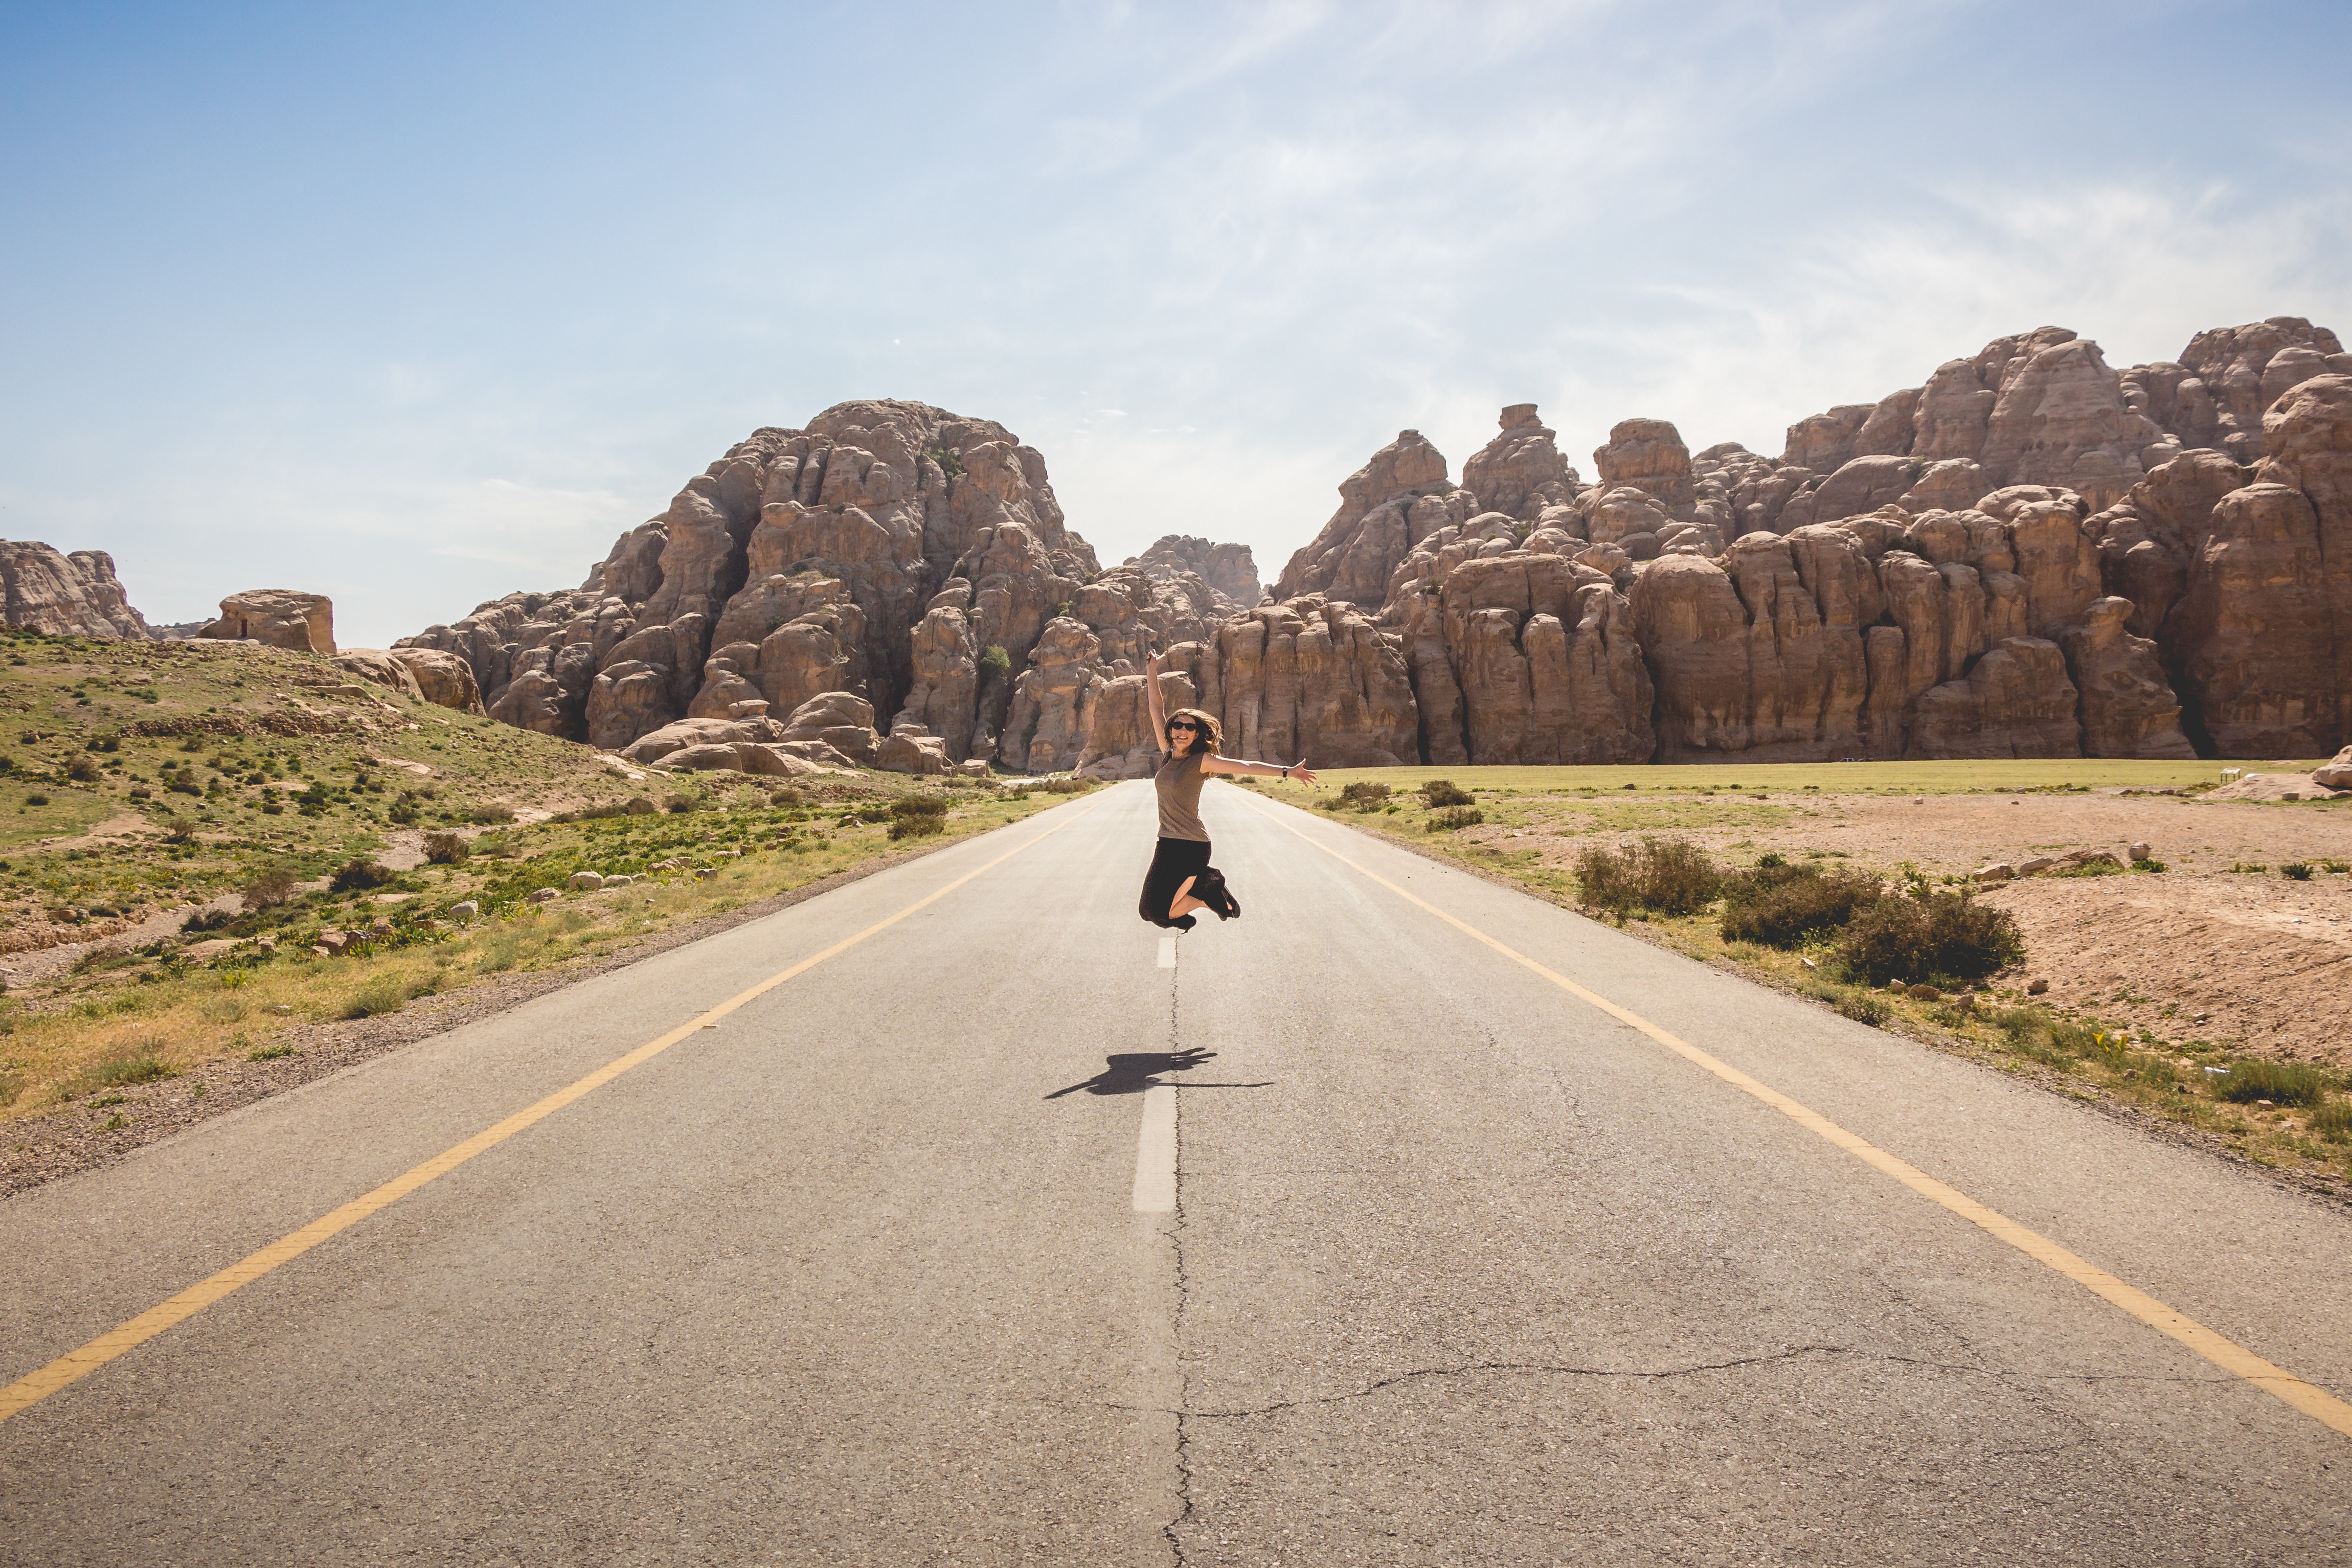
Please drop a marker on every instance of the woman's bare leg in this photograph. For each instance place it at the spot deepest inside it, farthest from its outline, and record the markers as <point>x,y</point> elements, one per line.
<point>1185,902</point>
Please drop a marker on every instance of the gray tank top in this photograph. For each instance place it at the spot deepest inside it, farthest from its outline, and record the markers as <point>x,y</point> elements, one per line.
<point>1179,783</point>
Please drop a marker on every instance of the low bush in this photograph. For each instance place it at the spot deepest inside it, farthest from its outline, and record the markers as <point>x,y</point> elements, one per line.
<point>360,873</point>
<point>916,827</point>
<point>785,798</point>
<point>2333,1122</point>
<point>1445,792</point>
<point>1930,934</point>
<point>384,994</point>
<point>681,805</point>
<point>1060,786</point>
<point>82,771</point>
<point>2296,870</point>
<point>1362,796</point>
<point>446,849</point>
<point>119,1071</point>
<point>1784,905</point>
<point>490,815</point>
<point>2280,1083</point>
<point>1454,819</point>
<point>1863,1008</point>
<point>1671,876</point>
<point>907,805</point>
<point>267,888</point>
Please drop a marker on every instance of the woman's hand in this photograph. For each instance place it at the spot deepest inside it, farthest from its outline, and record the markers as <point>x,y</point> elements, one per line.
<point>1302,774</point>
<point>1152,666</point>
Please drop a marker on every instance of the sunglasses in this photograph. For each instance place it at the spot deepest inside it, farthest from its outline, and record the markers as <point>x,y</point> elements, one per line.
<point>1185,724</point>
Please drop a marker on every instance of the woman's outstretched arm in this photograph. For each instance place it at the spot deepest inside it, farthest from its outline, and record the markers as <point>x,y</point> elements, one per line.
<point>1151,696</point>
<point>1297,771</point>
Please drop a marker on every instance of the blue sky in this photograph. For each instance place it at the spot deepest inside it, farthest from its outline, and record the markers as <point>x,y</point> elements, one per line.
<point>416,305</point>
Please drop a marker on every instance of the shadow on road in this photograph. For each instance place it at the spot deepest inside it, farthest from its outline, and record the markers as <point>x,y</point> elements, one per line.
<point>1134,1072</point>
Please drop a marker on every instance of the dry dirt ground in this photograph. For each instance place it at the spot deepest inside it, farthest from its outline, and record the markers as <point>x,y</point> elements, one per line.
<point>2247,959</point>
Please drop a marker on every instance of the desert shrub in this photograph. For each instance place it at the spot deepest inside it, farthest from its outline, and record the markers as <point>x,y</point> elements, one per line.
<point>2149,864</point>
<point>1440,792</point>
<point>787,796</point>
<point>2280,1083</point>
<point>682,804</point>
<point>1863,1008</point>
<point>267,888</point>
<point>446,849</point>
<point>1060,786</point>
<point>1454,819</point>
<point>1930,933</point>
<point>206,920</point>
<point>907,805</point>
<point>2333,1121</point>
<point>1784,905</point>
<point>994,660</point>
<point>918,827</point>
<point>384,994</point>
<point>403,811</point>
<point>490,815</point>
<point>1671,876</point>
<point>82,769</point>
<point>1362,796</point>
<point>359,873</point>
<point>119,1071</point>
<point>2296,870</point>
<point>36,799</point>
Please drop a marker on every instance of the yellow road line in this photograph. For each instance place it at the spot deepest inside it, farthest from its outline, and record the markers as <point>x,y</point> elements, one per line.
<point>2315,1402</point>
<point>34,1387</point>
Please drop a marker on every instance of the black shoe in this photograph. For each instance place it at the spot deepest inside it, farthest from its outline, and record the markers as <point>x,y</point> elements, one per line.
<point>1210,890</point>
<point>1183,923</point>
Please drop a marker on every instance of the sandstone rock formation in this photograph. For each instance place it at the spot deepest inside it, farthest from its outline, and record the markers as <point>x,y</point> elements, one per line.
<point>379,667</point>
<point>446,680</point>
<point>278,617</point>
<point>1228,569</point>
<point>2030,554</point>
<point>64,595</point>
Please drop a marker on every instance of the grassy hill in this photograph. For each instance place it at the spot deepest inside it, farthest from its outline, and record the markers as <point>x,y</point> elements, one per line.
<point>295,807</point>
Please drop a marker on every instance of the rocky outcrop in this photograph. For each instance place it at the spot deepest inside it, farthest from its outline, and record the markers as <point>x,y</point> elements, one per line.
<point>2029,553</point>
<point>2015,701</point>
<point>1228,569</point>
<point>801,562</point>
<point>1386,508</point>
<point>380,668</point>
<point>74,595</point>
<point>444,679</point>
<point>2127,706</point>
<point>2226,378</point>
<point>1520,473</point>
<point>278,617</point>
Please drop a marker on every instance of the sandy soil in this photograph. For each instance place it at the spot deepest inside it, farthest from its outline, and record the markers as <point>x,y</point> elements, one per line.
<point>2248,960</point>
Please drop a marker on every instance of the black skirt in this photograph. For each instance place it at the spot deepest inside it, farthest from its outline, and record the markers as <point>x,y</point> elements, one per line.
<point>1175,860</point>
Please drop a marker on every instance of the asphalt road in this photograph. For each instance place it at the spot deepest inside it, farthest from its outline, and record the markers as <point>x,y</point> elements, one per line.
<point>1423,1260</point>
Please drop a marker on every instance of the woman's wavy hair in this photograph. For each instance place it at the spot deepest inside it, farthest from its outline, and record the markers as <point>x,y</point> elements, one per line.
<point>1210,737</point>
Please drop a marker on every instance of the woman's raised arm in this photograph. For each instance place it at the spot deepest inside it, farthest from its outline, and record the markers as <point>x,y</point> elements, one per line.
<point>1151,696</point>
<point>1297,771</point>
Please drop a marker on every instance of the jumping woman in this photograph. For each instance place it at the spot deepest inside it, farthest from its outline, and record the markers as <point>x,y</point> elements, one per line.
<point>1182,880</point>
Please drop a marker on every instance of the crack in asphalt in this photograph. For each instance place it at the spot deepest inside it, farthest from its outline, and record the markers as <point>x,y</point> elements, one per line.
<point>1175,1233</point>
<point>1534,1368</point>
<point>1537,1368</point>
